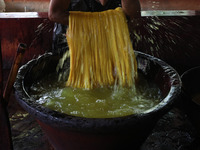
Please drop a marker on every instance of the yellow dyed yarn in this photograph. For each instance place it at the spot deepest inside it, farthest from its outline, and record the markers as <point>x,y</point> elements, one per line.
<point>101,52</point>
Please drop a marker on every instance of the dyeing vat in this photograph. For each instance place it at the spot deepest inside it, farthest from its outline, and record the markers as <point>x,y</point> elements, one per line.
<point>66,131</point>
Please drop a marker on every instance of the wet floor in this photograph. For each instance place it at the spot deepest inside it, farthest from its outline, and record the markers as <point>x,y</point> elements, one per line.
<point>26,133</point>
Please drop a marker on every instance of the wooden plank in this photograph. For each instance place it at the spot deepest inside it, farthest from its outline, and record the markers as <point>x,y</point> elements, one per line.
<point>35,32</point>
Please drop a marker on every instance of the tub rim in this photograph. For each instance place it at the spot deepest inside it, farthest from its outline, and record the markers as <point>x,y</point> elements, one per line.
<point>57,119</point>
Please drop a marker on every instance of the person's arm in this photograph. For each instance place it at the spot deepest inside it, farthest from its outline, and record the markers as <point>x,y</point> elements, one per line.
<point>131,8</point>
<point>58,11</point>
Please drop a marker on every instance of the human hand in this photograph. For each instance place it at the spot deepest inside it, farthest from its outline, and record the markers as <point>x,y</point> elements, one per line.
<point>131,8</point>
<point>58,11</point>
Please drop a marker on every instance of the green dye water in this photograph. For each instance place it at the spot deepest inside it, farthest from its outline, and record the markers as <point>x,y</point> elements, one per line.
<point>103,102</point>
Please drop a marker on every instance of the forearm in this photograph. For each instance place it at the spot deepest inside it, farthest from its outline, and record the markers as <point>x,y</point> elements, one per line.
<point>58,11</point>
<point>131,8</point>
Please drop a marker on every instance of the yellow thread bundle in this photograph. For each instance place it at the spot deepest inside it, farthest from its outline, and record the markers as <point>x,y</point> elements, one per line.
<point>101,52</point>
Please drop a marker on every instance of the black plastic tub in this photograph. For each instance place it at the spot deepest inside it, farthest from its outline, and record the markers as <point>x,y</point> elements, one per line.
<point>70,132</point>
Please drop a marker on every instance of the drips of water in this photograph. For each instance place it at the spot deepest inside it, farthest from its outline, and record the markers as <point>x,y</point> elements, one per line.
<point>42,29</point>
<point>162,37</point>
<point>153,5</point>
<point>157,36</point>
<point>167,38</point>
